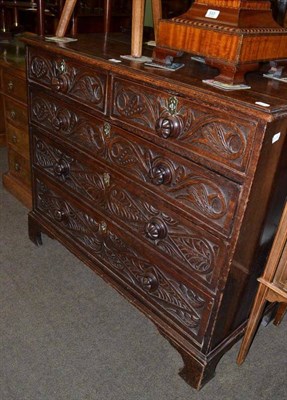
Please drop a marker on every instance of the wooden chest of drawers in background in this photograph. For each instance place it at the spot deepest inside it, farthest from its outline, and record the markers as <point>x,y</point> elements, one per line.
<point>17,180</point>
<point>164,187</point>
<point>2,115</point>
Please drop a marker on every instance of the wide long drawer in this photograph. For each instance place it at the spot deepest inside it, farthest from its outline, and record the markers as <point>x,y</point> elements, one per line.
<point>194,251</point>
<point>206,195</point>
<point>86,85</point>
<point>184,306</point>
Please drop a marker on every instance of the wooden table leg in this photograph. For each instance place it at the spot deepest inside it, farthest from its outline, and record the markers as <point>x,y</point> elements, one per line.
<point>157,15</point>
<point>65,18</point>
<point>255,315</point>
<point>280,313</point>
<point>41,18</point>
<point>137,27</point>
<point>107,15</point>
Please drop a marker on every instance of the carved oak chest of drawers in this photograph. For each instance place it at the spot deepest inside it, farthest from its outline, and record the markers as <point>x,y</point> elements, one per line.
<point>167,189</point>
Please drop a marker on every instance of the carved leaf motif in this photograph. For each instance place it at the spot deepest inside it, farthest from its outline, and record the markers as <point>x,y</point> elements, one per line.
<point>67,123</point>
<point>40,110</point>
<point>91,87</point>
<point>80,85</point>
<point>132,104</point>
<point>225,138</point>
<point>180,242</point>
<point>121,204</point>
<point>39,67</point>
<point>205,196</point>
<point>200,129</point>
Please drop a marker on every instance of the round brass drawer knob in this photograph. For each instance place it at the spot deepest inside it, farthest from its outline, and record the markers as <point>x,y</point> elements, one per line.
<point>17,167</point>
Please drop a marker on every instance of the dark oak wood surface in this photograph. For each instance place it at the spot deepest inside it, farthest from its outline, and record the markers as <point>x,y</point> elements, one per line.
<point>166,187</point>
<point>14,119</point>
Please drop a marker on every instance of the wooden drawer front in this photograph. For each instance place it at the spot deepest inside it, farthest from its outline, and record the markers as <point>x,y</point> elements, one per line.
<point>184,305</point>
<point>19,167</point>
<point>16,114</point>
<point>14,86</point>
<point>86,85</point>
<point>182,126</point>
<point>19,139</point>
<point>210,197</point>
<point>199,254</point>
<point>1,79</point>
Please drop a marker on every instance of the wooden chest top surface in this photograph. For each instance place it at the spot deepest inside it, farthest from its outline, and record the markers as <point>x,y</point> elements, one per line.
<point>96,50</point>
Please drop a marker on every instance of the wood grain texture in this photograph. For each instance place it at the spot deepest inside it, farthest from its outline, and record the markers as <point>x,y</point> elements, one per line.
<point>240,36</point>
<point>272,285</point>
<point>160,184</point>
<point>13,107</point>
<point>65,18</point>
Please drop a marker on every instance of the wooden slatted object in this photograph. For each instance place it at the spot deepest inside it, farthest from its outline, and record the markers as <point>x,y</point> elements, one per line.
<point>138,24</point>
<point>272,286</point>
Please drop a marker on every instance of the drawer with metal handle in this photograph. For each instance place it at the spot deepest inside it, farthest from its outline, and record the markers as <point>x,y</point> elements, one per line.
<point>193,250</point>
<point>85,85</point>
<point>183,126</point>
<point>19,167</point>
<point>183,304</point>
<point>14,86</point>
<point>192,188</point>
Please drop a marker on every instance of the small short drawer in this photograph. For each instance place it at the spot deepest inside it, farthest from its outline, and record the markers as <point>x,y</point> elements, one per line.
<point>183,126</point>
<point>64,76</point>
<point>14,86</point>
<point>16,114</point>
<point>19,167</point>
<point>18,139</point>
<point>183,304</point>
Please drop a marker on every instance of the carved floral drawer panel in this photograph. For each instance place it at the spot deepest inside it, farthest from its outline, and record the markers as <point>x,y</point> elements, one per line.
<point>196,251</point>
<point>182,126</point>
<point>206,195</point>
<point>184,306</point>
<point>85,85</point>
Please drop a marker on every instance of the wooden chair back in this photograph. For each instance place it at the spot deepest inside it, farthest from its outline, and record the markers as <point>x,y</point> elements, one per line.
<point>272,286</point>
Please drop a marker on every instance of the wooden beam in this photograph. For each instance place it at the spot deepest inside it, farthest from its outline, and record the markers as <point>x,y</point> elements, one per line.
<point>65,18</point>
